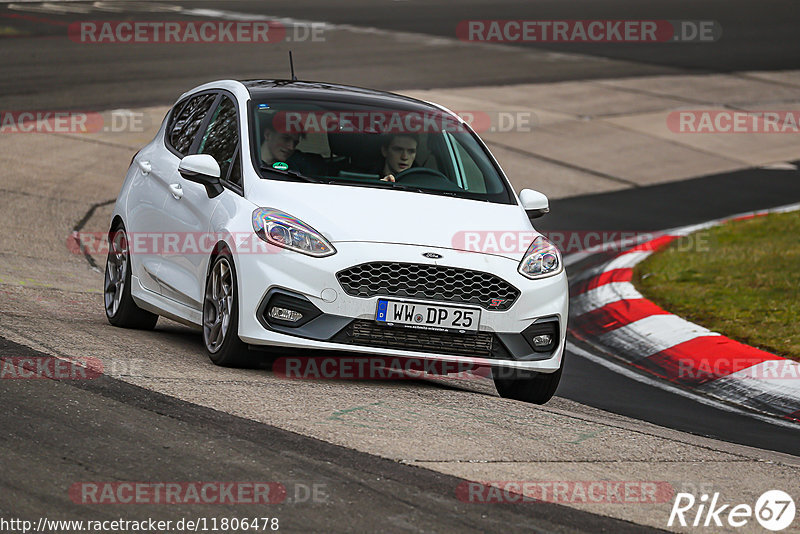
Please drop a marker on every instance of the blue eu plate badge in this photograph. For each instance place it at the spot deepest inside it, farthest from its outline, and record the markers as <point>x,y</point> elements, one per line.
<point>382,305</point>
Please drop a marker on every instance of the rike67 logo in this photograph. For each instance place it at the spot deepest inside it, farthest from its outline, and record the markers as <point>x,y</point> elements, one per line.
<point>774,510</point>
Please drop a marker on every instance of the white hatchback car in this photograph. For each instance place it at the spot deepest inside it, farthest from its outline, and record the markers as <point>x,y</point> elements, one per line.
<point>299,214</point>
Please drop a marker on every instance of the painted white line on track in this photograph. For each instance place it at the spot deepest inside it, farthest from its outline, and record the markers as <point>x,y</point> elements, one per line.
<point>418,38</point>
<point>585,275</point>
<point>51,8</point>
<point>616,245</point>
<point>415,37</point>
<point>782,166</point>
<point>686,230</point>
<point>628,260</point>
<point>627,372</point>
<point>575,257</point>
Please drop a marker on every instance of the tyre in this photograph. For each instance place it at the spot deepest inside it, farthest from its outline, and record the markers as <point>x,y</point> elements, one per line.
<point>121,310</point>
<point>528,386</point>
<point>221,315</point>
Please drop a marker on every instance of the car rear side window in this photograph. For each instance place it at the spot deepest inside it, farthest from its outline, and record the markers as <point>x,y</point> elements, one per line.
<point>221,139</point>
<point>184,127</point>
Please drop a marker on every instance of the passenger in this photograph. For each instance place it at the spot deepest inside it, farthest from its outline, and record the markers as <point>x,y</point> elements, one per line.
<point>278,146</point>
<point>399,152</point>
<point>282,147</point>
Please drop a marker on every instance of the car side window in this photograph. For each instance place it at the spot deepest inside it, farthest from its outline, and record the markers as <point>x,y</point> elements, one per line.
<point>235,177</point>
<point>471,173</point>
<point>184,126</point>
<point>221,139</point>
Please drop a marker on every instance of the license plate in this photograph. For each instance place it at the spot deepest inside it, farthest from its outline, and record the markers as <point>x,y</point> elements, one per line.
<point>427,316</point>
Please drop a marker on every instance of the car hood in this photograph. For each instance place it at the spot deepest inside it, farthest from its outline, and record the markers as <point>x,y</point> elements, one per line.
<point>365,214</point>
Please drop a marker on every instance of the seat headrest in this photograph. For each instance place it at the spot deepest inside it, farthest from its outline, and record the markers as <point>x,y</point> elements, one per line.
<point>363,150</point>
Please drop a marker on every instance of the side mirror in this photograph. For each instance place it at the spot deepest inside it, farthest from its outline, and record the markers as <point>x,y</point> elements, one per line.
<point>202,169</point>
<point>534,203</point>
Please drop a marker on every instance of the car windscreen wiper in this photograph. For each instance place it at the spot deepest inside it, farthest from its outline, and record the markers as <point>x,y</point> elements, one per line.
<point>293,174</point>
<point>361,183</point>
<point>440,192</point>
<point>381,184</point>
<point>395,185</point>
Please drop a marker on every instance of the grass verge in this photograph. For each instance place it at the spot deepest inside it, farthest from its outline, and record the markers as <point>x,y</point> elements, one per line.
<point>741,279</point>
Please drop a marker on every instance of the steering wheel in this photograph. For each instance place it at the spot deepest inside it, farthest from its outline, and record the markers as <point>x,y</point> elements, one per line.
<point>402,176</point>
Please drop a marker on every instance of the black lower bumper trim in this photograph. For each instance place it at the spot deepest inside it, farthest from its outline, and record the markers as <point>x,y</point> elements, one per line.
<point>368,333</point>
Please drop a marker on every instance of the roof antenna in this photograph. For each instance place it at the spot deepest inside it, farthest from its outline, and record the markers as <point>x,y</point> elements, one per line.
<point>291,66</point>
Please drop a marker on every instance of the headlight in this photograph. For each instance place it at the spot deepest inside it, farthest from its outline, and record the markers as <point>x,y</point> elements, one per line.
<point>283,230</point>
<point>542,259</point>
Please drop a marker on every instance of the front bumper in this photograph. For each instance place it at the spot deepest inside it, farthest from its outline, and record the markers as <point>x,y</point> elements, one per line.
<point>347,323</point>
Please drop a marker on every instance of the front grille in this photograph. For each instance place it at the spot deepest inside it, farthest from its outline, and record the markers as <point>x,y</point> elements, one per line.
<point>433,282</point>
<point>368,333</point>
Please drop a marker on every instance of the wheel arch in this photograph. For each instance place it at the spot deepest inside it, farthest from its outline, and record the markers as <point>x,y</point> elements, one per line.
<point>219,247</point>
<point>116,221</point>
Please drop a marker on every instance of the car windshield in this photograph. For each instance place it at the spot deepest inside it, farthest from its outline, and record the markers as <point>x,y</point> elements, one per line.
<point>427,151</point>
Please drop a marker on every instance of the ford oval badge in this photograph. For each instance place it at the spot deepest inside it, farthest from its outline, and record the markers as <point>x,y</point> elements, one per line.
<point>432,255</point>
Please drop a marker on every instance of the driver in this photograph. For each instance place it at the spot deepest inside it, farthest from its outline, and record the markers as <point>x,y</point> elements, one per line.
<point>399,151</point>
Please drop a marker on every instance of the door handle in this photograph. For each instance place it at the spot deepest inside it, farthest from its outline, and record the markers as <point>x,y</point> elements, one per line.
<point>176,190</point>
<point>145,167</point>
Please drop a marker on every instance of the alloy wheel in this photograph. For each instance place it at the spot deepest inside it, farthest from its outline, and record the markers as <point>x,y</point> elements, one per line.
<point>116,271</point>
<point>218,305</point>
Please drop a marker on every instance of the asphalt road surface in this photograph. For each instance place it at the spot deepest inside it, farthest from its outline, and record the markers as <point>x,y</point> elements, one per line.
<point>59,432</point>
<point>55,433</point>
<point>43,70</point>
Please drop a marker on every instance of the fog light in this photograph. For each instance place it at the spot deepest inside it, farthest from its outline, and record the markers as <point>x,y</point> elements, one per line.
<point>542,340</point>
<point>285,314</point>
<point>281,309</point>
<point>542,336</point>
